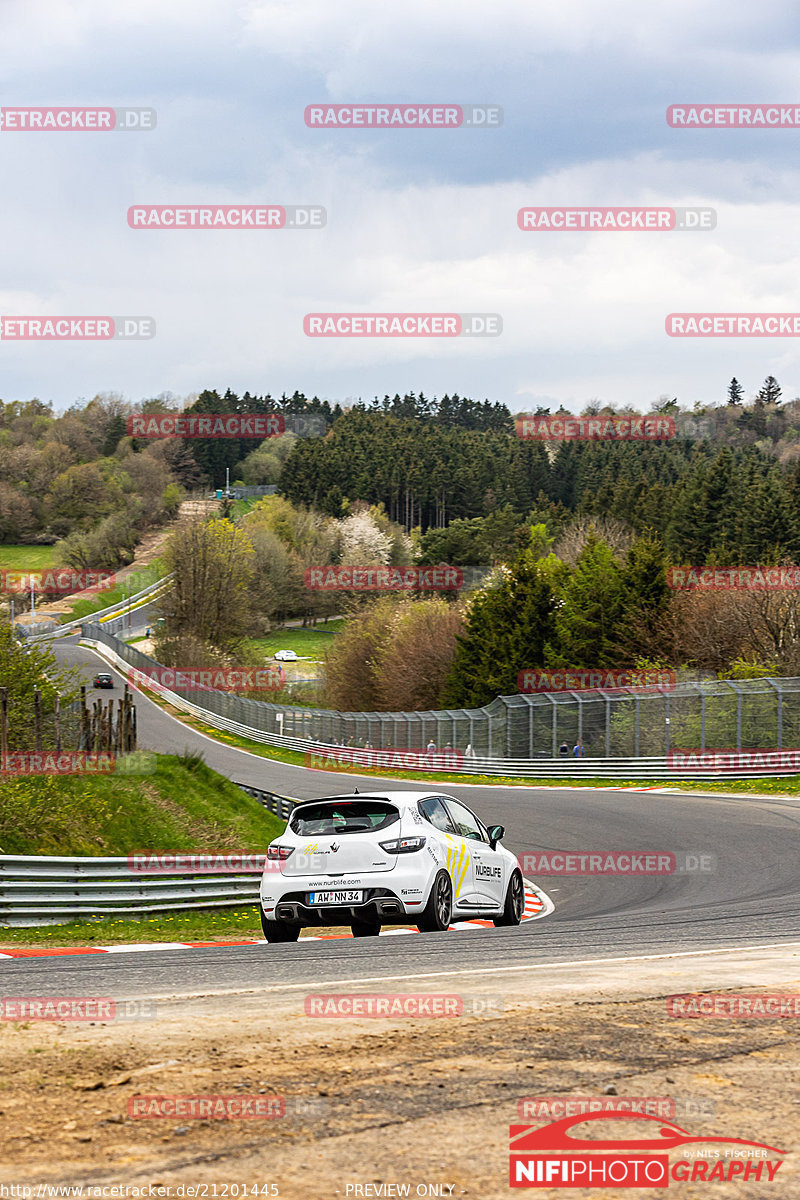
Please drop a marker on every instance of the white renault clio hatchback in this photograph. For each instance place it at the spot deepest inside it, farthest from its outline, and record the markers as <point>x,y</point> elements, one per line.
<point>387,858</point>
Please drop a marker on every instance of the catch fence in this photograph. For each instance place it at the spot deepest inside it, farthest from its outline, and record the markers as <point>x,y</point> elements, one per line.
<point>626,723</point>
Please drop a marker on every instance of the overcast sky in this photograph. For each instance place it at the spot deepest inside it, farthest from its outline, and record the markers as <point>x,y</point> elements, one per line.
<point>418,220</point>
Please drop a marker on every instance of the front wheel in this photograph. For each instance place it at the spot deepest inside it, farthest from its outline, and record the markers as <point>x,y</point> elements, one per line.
<point>439,909</point>
<point>280,931</point>
<point>515,902</point>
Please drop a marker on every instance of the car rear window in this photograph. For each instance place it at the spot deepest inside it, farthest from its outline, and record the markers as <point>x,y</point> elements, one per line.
<point>343,816</point>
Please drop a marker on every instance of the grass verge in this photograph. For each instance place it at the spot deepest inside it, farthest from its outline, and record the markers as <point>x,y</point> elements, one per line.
<point>202,925</point>
<point>307,643</point>
<point>182,805</point>
<point>26,558</point>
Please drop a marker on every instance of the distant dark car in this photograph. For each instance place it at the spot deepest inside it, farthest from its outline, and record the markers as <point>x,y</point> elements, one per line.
<point>103,680</point>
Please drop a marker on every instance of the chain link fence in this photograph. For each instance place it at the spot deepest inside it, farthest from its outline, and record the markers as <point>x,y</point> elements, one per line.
<point>628,723</point>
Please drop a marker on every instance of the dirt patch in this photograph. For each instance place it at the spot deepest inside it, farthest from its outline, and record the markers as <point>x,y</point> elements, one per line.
<point>415,1102</point>
<point>146,552</point>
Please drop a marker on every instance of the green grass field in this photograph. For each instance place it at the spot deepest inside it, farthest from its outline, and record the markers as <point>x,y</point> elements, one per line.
<point>310,642</point>
<point>26,558</point>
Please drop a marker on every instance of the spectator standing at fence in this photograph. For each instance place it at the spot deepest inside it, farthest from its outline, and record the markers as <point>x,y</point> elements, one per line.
<point>563,749</point>
<point>578,750</point>
<point>431,748</point>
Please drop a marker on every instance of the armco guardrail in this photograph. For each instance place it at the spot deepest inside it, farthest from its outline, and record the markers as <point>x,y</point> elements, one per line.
<point>51,890</point>
<point>45,890</point>
<point>280,806</point>
<point>129,604</point>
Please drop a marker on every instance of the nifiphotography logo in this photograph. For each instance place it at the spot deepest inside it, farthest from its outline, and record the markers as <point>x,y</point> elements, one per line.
<point>553,1157</point>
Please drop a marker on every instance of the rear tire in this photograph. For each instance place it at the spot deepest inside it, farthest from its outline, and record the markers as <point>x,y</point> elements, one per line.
<point>280,931</point>
<point>515,902</point>
<point>439,910</point>
<point>370,927</point>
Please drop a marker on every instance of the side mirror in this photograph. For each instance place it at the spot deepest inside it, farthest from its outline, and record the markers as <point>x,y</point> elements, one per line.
<point>496,833</point>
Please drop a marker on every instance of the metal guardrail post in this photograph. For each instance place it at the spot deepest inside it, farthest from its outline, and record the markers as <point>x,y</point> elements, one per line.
<point>738,715</point>
<point>636,727</point>
<point>779,714</point>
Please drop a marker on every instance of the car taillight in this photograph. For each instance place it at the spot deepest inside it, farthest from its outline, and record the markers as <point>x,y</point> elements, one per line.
<point>405,845</point>
<point>279,852</point>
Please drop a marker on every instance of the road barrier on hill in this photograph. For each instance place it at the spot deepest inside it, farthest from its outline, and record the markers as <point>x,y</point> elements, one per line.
<point>112,613</point>
<point>626,735</point>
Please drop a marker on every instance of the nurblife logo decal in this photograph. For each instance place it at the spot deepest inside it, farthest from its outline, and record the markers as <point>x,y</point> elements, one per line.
<point>553,1157</point>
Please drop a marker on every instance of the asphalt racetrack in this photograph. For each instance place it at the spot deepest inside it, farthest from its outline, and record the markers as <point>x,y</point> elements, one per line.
<point>750,899</point>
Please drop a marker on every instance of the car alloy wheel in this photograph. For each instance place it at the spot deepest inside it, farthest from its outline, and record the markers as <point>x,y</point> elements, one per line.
<point>439,909</point>
<point>514,903</point>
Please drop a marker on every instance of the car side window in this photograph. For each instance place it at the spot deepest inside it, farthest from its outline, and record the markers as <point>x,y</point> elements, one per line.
<point>467,825</point>
<point>436,814</point>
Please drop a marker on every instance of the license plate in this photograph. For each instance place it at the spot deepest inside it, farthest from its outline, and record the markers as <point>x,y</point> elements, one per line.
<point>334,897</point>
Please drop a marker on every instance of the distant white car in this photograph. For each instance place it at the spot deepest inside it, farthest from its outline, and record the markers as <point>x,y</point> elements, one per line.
<point>394,858</point>
<point>286,656</point>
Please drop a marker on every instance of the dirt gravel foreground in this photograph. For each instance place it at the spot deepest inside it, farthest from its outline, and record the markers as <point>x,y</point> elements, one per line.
<point>374,1102</point>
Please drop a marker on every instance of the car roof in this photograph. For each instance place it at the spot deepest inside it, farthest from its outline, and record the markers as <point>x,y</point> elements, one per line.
<point>400,799</point>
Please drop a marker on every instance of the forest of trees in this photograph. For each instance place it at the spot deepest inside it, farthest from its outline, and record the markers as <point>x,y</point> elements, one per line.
<point>579,533</point>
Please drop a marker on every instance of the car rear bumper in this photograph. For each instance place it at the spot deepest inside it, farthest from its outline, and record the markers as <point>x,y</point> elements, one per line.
<point>379,902</point>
